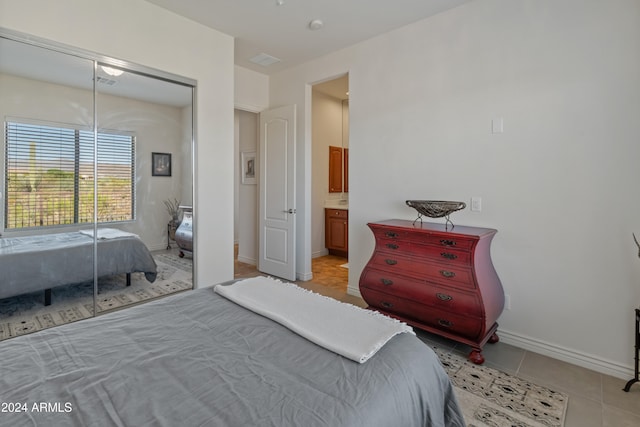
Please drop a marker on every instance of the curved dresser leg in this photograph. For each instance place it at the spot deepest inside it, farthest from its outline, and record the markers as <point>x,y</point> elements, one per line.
<point>494,339</point>
<point>476,357</point>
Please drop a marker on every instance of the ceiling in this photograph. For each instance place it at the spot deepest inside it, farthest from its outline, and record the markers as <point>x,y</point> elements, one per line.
<point>258,27</point>
<point>280,28</point>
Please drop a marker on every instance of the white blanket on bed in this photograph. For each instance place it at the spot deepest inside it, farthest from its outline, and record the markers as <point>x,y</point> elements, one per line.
<point>350,331</point>
<point>108,233</point>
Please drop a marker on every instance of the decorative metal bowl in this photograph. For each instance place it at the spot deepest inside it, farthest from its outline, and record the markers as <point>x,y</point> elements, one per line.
<point>435,208</point>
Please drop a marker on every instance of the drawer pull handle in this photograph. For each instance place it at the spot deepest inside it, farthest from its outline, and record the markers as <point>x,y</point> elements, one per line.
<point>446,323</point>
<point>447,274</point>
<point>448,255</point>
<point>386,282</point>
<point>392,246</point>
<point>444,297</point>
<point>391,234</point>
<point>447,242</point>
<point>386,304</point>
<point>391,261</point>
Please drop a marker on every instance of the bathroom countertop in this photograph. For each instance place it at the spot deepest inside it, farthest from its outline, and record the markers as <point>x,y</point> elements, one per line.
<point>337,204</point>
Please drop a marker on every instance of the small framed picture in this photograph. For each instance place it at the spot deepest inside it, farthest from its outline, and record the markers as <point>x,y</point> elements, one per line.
<point>248,167</point>
<point>160,164</point>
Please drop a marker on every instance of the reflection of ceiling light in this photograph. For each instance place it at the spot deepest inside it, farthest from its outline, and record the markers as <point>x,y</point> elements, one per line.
<point>112,71</point>
<point>316,24</point>
<point>105,81</point>
<point>279,2</point>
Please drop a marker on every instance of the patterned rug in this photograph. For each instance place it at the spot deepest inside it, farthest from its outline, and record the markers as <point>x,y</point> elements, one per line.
<point>26,313</point>
<point>491,398</point>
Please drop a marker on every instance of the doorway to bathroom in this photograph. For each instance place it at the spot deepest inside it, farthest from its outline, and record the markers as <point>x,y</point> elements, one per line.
<point>330,182</point>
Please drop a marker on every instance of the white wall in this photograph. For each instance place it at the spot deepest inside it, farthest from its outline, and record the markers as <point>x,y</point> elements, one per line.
<point>251,90</point>
<point>186,151</point>
<point>251,95</point>
<point>564,77</point>
<point>153,37</point>
<point>158,128</point>
<point>247,194</point>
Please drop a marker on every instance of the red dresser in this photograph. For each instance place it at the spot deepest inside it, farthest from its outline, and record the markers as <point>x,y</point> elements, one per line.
<point>438,280</point>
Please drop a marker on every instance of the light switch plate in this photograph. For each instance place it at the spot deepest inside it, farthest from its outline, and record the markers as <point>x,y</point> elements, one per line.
<point>497,125</point>
<point>476,204</point>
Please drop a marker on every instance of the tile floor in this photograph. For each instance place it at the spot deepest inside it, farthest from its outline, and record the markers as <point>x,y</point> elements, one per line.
<point>595,400</point>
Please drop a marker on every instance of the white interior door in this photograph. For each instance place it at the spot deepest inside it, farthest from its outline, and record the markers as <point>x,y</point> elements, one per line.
<point>277,206</point>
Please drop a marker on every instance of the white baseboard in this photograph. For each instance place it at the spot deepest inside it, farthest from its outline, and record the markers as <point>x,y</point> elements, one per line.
<point>568,355</point>
<point>245,260</point>
<point>161,246</point>
<point>304,277</point>
<point>354,290</point>
<point>320,253</point>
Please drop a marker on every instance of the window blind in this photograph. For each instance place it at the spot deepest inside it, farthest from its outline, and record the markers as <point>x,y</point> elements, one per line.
<point>49,176</point>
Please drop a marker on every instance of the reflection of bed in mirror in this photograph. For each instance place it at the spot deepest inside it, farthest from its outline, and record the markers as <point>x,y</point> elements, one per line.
<point>199,359</point>
<point>42,262</point>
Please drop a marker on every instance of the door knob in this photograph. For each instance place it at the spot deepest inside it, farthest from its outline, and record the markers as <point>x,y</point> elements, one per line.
<point>291,211</point>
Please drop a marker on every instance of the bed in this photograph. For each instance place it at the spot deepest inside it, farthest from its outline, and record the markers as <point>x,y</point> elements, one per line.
<point>39,263</point>
<point>200,359</point>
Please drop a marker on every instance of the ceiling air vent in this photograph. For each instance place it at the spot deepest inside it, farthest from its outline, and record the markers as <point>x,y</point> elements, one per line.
<point>105,81</point>
<point>264,59</point>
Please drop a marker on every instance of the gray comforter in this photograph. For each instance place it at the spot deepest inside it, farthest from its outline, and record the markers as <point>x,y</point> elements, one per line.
<point>197,359</point>
<point>35,263</point>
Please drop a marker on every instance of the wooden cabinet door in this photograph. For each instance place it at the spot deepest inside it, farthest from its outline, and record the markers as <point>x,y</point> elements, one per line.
<point>335,169</point>
<point>338,233</point>
<point>336,238</point>
<point>346,170</point>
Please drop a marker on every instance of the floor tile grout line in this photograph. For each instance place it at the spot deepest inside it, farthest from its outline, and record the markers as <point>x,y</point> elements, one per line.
<point>524,354</point>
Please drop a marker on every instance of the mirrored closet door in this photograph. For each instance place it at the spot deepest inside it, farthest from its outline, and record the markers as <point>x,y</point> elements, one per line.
<point>97,177</point>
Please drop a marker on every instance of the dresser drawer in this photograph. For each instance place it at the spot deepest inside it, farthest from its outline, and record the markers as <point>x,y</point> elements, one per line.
<point>440,240</point>
<point>464,326</point>
<point>466,303</point>
<point>421,269</point>
<point>337,213</point>
<point>432,252</point>
<point>437,278</point>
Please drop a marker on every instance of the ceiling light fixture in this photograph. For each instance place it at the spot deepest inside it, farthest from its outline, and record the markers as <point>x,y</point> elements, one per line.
<point>279,2</point>
<point>112,71</point>
<point>316,24</point>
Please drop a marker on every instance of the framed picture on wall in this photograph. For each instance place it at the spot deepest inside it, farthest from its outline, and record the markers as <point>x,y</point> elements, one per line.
<point>248,167</point>
<point>160,164</point>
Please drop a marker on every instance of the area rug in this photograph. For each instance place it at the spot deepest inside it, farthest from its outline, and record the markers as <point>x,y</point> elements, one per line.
<point>26,313</point>
<point>491,398</point>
